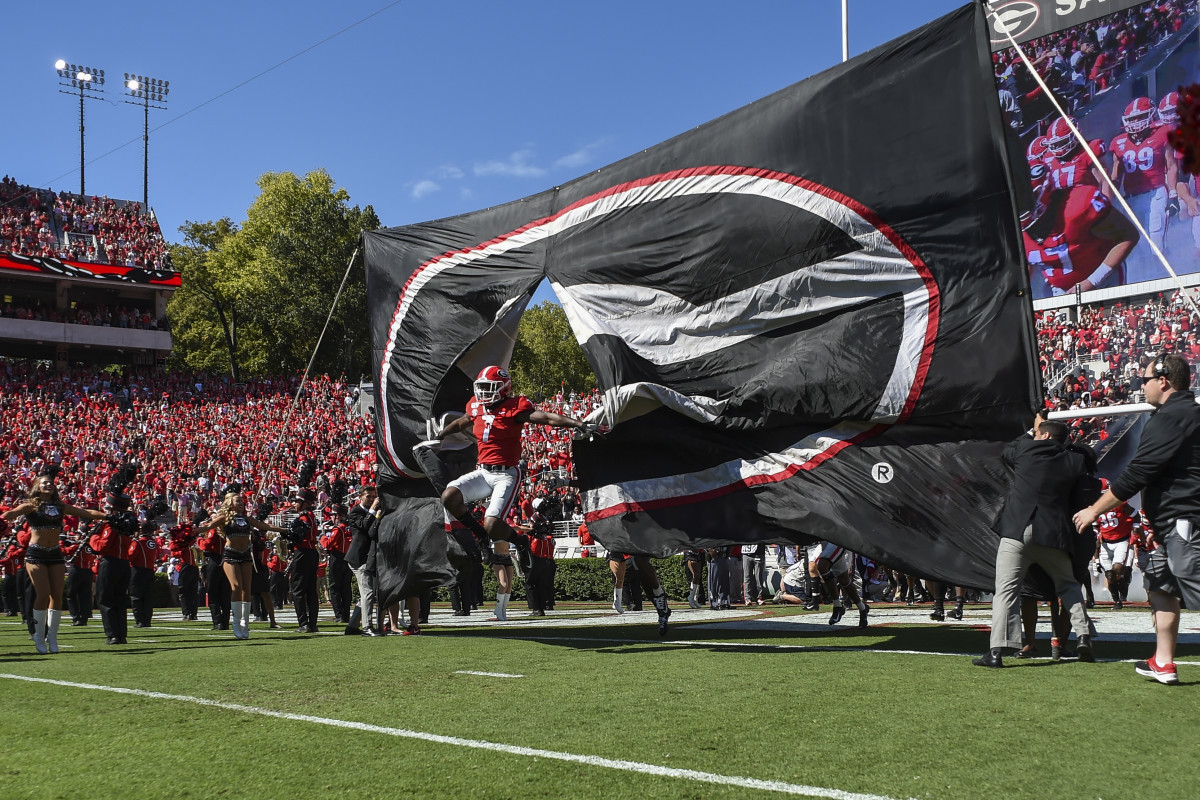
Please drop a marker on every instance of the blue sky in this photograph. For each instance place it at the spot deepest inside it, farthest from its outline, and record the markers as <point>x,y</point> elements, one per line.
<point>430,108</point>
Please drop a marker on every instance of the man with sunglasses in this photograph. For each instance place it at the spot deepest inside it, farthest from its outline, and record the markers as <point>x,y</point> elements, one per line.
<point>1166,470</point>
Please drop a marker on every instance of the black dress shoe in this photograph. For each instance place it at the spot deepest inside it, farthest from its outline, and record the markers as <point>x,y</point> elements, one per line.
<point>1085,649</point>
<point>990,659</point>
<point>112,640</point>
<point>79,623</point>
<point>353,631</point>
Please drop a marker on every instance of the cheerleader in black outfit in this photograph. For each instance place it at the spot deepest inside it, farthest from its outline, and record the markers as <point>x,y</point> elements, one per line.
<point>43,509</point>
<point>237,526</point>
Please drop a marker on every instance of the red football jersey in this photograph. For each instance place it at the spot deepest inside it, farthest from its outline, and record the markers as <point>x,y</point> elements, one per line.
<point>1116,525</point>
<point>496,430</point>
<point>1073,252</point>
<point>1143,163</point>
<point>1075,171</point>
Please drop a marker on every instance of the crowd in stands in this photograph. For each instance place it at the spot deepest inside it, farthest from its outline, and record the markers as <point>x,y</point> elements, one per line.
<point>42,223</point>
<point>85,314</point>
<point>1117,338</point>
<point>192,435</point>
<point>25,226</point>
<point>1084,60</point>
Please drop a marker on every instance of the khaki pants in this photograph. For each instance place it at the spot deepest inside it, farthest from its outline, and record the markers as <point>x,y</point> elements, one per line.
<point>1013,559</point>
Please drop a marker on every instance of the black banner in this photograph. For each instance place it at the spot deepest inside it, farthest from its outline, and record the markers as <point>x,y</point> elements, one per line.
<point>809,317</point>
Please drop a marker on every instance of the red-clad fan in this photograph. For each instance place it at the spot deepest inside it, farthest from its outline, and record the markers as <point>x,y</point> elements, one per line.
<point>1076,238</point>
<point>1115,531</point>
<point>1069,164</point>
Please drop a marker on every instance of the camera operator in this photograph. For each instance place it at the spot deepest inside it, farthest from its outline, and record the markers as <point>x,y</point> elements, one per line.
<point>302,571</point>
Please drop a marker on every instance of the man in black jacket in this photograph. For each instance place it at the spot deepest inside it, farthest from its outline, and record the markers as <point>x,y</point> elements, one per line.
<point>1049,478</point>
<point>1166,470</point>
<point>363,522</point>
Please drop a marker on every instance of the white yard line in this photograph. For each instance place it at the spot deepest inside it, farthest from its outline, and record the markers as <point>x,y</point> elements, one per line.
<point>487,674</point>
<point>478,744</point>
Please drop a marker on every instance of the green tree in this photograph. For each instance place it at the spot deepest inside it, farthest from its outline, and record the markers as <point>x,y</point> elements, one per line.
<point>205,320</point>
<point>276,276</point>
<point>546,354</point>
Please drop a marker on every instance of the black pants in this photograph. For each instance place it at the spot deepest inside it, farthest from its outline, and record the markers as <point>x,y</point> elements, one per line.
<point>112,591</point>
<point>339,586</point>
<point>302,575</point>
<point>279,588</point>
<point>140,584</point>
<point>539,587</point>
<point>79,593</point>
<point>219,593</point>
<point>25,596</point>
<point>11,606</point>
<point>189,590</point>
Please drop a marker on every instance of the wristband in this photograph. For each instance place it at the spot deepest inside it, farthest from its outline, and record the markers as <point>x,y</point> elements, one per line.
<point>1100,274</point>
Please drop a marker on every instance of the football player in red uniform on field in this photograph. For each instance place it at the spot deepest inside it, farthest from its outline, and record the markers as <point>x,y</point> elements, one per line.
<point>1115,529</point>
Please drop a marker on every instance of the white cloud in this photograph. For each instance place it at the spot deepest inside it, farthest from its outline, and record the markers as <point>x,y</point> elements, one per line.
<point>448,172</point>
<point>581,157</point>
<point>423,188</point>
<point>516,165</point>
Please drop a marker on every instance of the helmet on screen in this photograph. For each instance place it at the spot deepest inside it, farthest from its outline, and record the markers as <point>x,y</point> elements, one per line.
<point>1139,115</point>
<point>1060,139</point>
<point>1037,149</point>
<point>1168,109</point>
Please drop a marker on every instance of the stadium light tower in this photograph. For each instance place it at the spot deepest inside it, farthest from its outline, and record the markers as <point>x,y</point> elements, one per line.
<point>148,93</point>
<point>81,80</point>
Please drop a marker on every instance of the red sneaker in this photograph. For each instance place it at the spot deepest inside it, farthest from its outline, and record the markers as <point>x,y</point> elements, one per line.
<point>1163,673</point>
<point>415,630</point>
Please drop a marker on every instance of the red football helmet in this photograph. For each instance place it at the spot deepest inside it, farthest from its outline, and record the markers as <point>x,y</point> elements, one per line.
<point>1060,141</point>
<point>1168,109</point>
<point>492,385</point>
<point>1139,115</point>
<point>1037,149</point>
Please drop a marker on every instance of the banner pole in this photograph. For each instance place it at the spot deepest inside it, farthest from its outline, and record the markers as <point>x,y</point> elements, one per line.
<point>845,31</point>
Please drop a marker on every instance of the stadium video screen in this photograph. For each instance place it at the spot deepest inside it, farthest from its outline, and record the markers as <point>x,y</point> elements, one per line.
<point>1117,76</point>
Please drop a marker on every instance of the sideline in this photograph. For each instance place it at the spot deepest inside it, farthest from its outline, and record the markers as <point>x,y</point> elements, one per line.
<point>476,744</point>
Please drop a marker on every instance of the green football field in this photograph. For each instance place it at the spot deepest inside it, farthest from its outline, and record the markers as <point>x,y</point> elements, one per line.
<point>583,704</point>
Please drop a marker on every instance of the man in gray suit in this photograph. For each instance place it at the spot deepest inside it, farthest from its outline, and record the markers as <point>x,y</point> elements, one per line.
<point>1049,483</point>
